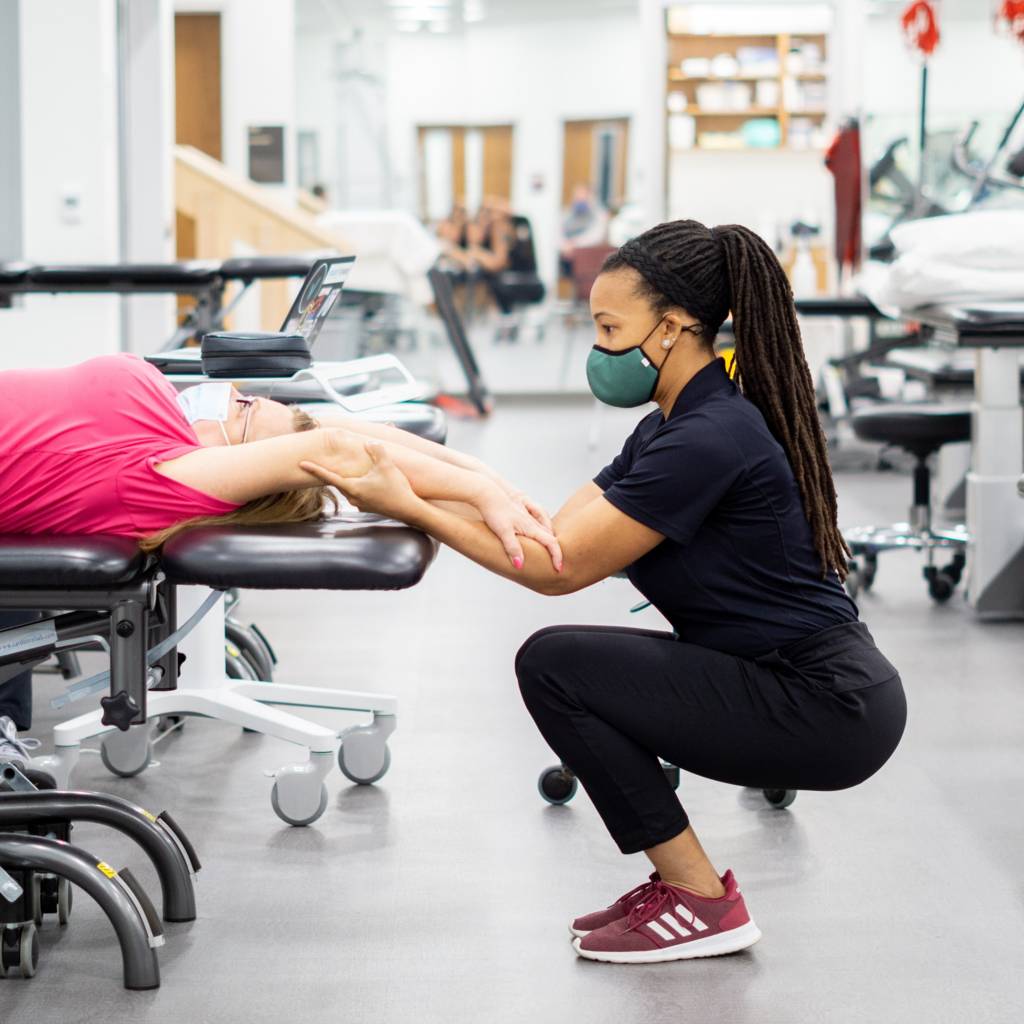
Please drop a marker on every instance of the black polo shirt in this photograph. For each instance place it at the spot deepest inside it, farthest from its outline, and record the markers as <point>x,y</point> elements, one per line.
<point>737,570</point>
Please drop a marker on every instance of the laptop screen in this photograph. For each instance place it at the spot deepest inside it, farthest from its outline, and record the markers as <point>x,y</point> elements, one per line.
<point>317,296</point>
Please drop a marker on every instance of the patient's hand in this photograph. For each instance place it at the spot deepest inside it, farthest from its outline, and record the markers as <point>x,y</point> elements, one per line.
<point>383,489</point>
<point>527,503</point>
<point>509,516</point>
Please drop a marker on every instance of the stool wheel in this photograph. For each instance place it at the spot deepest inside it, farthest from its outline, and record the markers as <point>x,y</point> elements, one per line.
<point>941,583</point>
<point>870,570</point>
<point>779,798</point>
<point>557,785</point>
<point>671,773</point>
<point>19,947</point>
<point>853,580</point>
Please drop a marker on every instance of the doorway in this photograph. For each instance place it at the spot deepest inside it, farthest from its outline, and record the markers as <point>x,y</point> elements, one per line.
<point>463,162</point>
<point>596,153</point>
<point>197,100</point>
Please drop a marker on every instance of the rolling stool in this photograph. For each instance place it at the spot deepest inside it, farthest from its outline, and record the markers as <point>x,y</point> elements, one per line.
<point>920,430</point>
<point>558,785</point>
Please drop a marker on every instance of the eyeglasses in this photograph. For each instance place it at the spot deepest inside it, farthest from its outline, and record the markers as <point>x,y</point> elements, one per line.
<point>249,402</point>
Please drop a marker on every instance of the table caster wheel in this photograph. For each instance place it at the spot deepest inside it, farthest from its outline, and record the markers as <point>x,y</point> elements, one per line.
<point>362,757</point>
<point>168,723</point>
<point>19,948</point>
<point>779,798</point>
<point>65,899</point>
<point>126,754</point>
<point>557,785</point>
<point>290,811</point>
<point>34,904</point>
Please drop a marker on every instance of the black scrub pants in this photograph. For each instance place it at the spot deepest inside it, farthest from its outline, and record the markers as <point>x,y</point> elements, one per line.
<point>16,693</point>
<point>823,713</point>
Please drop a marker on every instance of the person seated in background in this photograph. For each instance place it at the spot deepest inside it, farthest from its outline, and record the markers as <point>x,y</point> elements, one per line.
<point>452,234</point>
<point>584,222</point>
<point>109,446</point>
<point>490,242</point>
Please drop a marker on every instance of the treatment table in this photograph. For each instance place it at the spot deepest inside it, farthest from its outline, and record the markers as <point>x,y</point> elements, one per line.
<point>994,334</point>
<point>107,592</point>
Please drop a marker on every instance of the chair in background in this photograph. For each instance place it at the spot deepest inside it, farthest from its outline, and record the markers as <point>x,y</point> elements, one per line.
<point>520,285</point>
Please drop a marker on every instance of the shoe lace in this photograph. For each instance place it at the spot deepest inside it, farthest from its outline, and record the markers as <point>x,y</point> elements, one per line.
<point>652,905</point>
<point>11,745</point>
<point>636,895</point>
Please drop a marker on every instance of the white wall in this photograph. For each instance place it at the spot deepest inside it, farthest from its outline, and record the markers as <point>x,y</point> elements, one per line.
<point>68,148</point>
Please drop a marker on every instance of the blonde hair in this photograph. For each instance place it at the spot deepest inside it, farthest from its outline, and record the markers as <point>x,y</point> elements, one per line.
<point>299,506</point>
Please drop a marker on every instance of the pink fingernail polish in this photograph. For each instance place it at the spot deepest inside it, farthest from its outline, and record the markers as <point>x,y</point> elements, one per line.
<point>517,562</point>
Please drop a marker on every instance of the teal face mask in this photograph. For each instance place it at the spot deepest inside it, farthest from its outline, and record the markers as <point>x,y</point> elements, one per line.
<point>626,378</point>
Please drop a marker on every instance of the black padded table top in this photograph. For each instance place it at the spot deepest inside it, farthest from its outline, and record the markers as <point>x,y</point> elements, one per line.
<point>74,560</point>
<point>352,552</point>
<point>839,305</point>
<point>247,268</point>
<point>130,275</point>
<point>12,273</point>
<point>977,325</point>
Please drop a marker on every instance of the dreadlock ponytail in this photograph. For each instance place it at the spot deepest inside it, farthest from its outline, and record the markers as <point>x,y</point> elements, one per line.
<point>707,273</point>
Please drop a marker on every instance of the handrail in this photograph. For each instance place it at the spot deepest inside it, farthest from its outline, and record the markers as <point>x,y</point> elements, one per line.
<point>227,215</point>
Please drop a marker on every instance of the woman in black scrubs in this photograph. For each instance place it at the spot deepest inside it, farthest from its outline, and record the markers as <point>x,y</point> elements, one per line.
<point>722,510</point>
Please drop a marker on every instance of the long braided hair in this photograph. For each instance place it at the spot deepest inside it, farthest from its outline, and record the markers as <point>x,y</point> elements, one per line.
<point>707,272</point>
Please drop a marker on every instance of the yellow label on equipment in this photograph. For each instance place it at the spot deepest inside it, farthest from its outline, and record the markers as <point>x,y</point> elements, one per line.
<point>107,869</point>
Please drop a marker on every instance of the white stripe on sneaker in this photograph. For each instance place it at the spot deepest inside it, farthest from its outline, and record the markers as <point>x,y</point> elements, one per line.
<point>688,915</point>
<point>662,933</point>
<point>673,923</point>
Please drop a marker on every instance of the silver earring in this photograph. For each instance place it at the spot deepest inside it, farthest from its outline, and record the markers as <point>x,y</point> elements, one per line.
<point>666,343</point>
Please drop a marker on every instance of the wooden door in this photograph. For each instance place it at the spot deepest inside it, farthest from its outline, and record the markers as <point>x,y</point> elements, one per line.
<point>581,158</point>
<point>197,82</point>
<point>498,161</point>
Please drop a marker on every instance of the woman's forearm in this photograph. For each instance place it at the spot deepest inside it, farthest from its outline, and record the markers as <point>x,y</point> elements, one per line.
<point>395,435</point>
<point>432,478</point>
<point>473,539</point>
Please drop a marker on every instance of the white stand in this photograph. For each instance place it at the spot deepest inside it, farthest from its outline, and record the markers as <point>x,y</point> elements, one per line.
<point>995,514</point>
<point>299,795</point>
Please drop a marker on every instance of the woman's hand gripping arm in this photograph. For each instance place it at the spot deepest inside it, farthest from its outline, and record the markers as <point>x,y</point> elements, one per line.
<point>596,541</point>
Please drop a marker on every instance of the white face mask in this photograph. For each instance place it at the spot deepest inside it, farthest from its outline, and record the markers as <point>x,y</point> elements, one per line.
<point>209,401</point>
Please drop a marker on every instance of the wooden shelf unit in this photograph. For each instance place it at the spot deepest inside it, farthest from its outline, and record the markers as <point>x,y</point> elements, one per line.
<point>684,45</point>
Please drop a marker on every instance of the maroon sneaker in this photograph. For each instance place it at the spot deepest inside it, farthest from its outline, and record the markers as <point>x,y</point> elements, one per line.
<point>673,924</point>
<point>620,908</point>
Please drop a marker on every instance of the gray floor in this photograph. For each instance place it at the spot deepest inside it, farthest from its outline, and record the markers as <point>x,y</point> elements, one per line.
<point>442,894</point>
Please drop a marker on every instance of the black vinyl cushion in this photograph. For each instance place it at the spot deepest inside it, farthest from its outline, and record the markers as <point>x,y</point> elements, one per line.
<point>73,560</point>
<point>10,273</point>
<point>521,287</point>
<point>190,272</point>
<point>253,354</point>
<point>920,429</point>
<point>352,552</point>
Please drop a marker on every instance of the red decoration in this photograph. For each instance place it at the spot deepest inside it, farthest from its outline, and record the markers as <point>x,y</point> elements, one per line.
<point>921,26</point>
<point>1012,12</point>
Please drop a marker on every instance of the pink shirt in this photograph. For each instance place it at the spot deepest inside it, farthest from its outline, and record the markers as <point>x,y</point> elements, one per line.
<point>78,446</point>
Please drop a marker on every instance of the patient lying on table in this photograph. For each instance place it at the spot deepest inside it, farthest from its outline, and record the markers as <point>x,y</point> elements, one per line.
<point>109,446</point>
